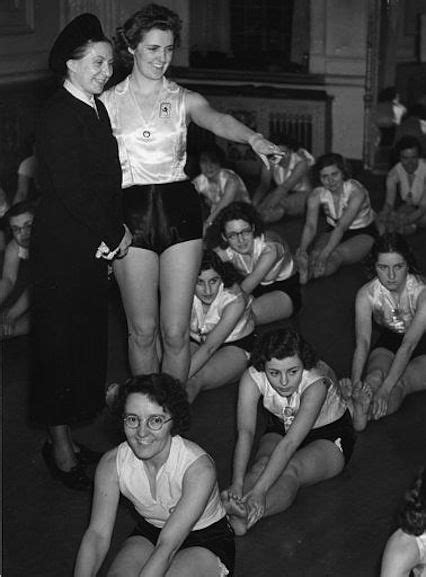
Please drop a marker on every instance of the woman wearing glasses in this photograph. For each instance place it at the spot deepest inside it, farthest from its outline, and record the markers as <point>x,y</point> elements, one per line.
<point>182,528</point>
<point>263,259</point>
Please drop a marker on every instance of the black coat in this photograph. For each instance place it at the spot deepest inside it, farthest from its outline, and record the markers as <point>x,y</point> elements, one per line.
<point>80,206</point>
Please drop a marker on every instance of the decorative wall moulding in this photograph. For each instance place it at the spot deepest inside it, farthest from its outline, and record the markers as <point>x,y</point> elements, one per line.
<point>16,17</point>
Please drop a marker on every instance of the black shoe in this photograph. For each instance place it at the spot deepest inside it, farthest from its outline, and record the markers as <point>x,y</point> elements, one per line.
<point>86,456</point>
<point>75,478</point>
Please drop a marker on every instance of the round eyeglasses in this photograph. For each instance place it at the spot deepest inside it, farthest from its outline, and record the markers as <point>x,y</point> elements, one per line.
<point>153,422</point>
<point>244,234</point>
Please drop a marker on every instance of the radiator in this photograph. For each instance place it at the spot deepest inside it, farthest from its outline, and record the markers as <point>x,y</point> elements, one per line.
<point>295,126</point>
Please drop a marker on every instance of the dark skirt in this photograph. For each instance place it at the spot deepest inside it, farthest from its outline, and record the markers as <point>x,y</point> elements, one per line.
<point>392,341</point>
<point>70,323</point>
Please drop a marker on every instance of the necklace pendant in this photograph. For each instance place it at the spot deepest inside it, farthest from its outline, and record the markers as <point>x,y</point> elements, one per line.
<point>146,134</point>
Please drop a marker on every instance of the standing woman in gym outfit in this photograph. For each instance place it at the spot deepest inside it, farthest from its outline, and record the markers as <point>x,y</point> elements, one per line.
<point>77,228</point>
<point>149,116</point>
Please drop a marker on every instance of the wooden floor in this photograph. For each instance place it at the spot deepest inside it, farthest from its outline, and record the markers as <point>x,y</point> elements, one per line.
<point>334,529</point>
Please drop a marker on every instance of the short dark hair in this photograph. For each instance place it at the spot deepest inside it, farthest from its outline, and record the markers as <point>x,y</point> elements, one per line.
<point>162,389</point>
<point>226,270</point>
<point>133,30</point>
<point>391,242</point>
<point>213,152</point>
<point>280,344</point>
<point>328,160</point>
<point>407,142</point>
<point>234,211</point>
<point>19,208</point>
<point>412,518</point>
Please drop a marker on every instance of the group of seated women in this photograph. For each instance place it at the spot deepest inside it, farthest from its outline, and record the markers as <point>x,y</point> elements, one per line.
<point>185,525</point>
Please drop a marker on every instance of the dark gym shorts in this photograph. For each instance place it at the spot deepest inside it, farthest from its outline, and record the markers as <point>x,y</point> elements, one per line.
<point>161,215</point>
<point>371,230</point>
<point>217,538</point>
<point>290,286</point>
<point>392,341</point>
<point>342,428</point>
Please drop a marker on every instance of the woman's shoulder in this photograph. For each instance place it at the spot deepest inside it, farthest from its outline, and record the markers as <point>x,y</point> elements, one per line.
<point>184,446</point>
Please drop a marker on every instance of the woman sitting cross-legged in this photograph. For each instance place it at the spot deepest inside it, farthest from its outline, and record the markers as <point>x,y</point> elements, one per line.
<point>222,326</point>
<point>350,218</point>
<point>309,435</point>
<point>263,259</point>
<point>395,302</point>
<point>171,482</point>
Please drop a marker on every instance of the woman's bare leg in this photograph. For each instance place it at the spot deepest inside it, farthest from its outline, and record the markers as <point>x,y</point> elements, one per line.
<point>194,562</point>
<point>137,276</point>
<point>131,558</point>
<point>179,268</point>
<point>273,306</point>
<point>225,366</point>
<point>349,252</point>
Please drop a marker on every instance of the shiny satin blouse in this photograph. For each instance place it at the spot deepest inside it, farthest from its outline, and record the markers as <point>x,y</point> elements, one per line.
<point>203,322</point>
<point>334,211</point>
<point>246,263</point>
<point>387,313</point>
<point>286,408</point>
<point>152,150</point>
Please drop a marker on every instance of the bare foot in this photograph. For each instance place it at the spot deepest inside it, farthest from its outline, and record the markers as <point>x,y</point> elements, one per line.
<point>237,514</point>
<point>345,386</point>
<point>362,398</point>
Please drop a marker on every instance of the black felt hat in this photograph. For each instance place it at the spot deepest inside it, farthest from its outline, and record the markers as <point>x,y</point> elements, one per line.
<point>76,34</point>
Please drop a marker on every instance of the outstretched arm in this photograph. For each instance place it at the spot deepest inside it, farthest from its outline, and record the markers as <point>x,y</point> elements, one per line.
<point>363,328</point>
<point>226,126</point>
<point>97,538</point>
<point>198,484</point>
<point>311,222</point>
<point>248,398</point>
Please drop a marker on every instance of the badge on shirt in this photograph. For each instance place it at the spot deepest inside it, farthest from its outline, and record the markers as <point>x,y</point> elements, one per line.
<point>165,109</point>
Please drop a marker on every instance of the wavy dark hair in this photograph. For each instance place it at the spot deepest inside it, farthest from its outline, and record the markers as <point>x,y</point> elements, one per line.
<point>280,344</point>
<point>19,208</point>
<point>412,518</point>
<point>133,30</point>
<point>391,242</point>
<point>234,211</point>
<point>162,389</point>
<point>407,142</point>
<point>328,160</point>
<point>226,270</point>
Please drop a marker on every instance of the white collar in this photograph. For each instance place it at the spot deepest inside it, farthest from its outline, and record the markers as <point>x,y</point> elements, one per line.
<point>79,94</point>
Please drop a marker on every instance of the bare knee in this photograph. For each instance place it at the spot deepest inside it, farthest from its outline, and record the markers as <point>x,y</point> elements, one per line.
<point>174,337</point>
<point>375,379</point>
<point>143,333</point>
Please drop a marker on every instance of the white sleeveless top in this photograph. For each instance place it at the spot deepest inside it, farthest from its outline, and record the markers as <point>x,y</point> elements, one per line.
<point>397,319</point>
<point>334,213</point>
<point>286,408</point>
<point>214,191</point>
<point>151,150</point>
<point>282,173</point>
<point>413,192</point>
<point>203,322</point>
<point>134,484</point>
<point>246,263</point>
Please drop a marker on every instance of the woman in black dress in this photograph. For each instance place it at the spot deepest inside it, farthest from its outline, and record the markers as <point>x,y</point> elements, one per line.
<point>77,229</point>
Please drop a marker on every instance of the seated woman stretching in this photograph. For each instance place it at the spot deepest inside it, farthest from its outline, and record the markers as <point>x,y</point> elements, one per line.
<point>405,205</point>
<point>394,301</point>
<point>284,185</point>
<point>351,230</point>
<point>222,326</point>
<point>219,186</point>
<point>182,528</point>
<point>309,435</point>
<point>264,260</point>
<point>405,552</point>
